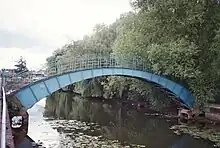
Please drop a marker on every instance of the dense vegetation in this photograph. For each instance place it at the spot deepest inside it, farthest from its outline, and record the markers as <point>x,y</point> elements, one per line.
<point>181,39</point>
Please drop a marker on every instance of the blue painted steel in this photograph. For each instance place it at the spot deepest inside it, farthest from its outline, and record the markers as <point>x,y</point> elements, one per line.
<point>52,84</point>
<point>27,97</point>
<point>45,87</point>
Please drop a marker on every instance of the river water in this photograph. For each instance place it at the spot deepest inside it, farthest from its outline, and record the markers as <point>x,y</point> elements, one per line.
<point>95,124</point>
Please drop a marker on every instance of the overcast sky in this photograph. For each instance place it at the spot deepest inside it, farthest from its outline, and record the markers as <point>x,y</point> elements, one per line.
<point>35,28</point>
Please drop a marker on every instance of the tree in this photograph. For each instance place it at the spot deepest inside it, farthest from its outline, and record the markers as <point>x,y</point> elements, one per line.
<point>21,66</point>
<point>179,39</point>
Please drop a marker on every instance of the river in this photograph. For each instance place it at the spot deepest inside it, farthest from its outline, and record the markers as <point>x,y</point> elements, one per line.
<point>95,124</point>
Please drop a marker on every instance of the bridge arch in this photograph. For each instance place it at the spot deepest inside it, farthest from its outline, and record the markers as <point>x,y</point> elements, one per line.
<point>31,94</point>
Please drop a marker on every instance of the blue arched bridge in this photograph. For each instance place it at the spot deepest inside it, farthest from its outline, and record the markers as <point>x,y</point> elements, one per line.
<point>69,70</point>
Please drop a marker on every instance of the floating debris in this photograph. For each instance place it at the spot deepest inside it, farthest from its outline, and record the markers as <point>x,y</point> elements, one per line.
<point>79,134</point>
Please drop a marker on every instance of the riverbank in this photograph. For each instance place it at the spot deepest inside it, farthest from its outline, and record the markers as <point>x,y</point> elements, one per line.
<point>210,133</point>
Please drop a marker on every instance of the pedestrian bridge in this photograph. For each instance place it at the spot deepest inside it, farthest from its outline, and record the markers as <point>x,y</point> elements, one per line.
<point>69,70</point>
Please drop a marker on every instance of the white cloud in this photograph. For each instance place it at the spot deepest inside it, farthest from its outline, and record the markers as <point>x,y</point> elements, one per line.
<point>54,21</point>
<point>9,56</point>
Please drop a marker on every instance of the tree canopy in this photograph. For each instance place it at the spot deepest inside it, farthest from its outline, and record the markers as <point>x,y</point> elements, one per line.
<point>180,39</point>
<point>21,65</point>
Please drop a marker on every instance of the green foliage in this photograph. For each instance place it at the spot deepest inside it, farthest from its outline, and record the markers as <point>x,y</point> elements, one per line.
<point>180,39</point>
<point>21,66</point>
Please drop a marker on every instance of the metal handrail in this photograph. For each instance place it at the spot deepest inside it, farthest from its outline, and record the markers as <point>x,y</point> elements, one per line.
<point>4,107</point>
<point>65,64</point>
<point>71,63</point>
<point>3,126</point>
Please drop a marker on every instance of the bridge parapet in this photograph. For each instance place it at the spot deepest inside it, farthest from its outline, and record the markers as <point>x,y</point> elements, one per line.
<point>67,64</point>
<point>89,61</point>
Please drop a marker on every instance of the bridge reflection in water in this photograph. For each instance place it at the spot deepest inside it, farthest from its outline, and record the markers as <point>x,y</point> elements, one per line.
<point>115,121</point>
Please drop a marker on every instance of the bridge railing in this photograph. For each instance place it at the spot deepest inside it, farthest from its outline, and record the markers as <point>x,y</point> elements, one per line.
<point>3,110</point>
<point>70,63</point>
<point>66,64</point>
<point>3,118</point>
<point>15,82</point>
